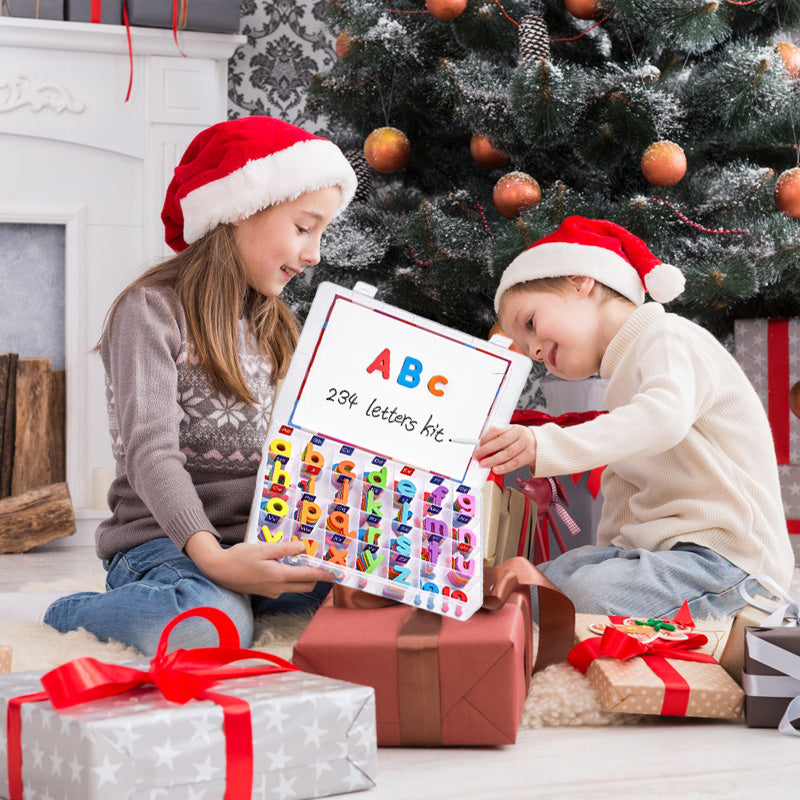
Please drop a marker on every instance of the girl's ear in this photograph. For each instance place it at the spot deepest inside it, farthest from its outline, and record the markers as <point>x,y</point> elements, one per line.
<point>582,284</point>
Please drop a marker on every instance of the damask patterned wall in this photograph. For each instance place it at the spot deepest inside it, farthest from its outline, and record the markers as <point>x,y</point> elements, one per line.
<point>286,44</point>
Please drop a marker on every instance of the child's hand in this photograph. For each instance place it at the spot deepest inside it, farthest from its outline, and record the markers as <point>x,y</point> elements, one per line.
<point>252,567</point>
<point>507,449</point>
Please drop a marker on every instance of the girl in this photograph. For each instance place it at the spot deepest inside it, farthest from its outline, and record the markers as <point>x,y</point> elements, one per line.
<point>192,351</point>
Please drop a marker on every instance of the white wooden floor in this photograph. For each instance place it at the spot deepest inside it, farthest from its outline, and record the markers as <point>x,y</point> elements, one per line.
<point>666,759</point>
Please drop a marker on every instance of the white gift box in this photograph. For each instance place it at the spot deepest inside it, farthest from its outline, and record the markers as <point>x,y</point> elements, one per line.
<point>312,737</point>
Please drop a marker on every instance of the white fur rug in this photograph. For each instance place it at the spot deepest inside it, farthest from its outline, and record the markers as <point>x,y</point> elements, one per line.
<point>558,696</point>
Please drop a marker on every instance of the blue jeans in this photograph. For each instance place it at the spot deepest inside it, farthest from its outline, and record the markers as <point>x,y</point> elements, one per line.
<point>149,585</point>
<point>645,583</point>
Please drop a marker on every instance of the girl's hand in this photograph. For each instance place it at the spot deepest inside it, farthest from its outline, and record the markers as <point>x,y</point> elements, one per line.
<point>507,449</point>
<point>251,567</point>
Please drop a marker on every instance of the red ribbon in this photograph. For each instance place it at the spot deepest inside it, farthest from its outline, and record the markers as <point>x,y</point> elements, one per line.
<point>184,9</point>
<point>97,10</point>
<point>778,385</point>
<point>524,416</point>
<point>616,644</point>
<point>180,676</point>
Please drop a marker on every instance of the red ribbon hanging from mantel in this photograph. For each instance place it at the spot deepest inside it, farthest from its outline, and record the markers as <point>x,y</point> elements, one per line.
<point>179,23</point>
<point>616,644</point>
<point>96,11</point>
<point>180,676</point>
<point>778,386</point>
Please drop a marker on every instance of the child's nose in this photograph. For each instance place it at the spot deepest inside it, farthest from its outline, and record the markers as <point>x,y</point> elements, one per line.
<point>536,351</point>
<point>310,254</point>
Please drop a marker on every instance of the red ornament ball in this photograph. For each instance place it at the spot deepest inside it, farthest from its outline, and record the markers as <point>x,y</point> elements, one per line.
<point>387,149</point>
<point>515,193</point>
<point>790,54</point>
<point>794,399</point>
<point>787,192</point>
<point>343,44</point>
<point>584,9</point>
<point>446,9</point>
<point>663,163</point>
<point>486,154</point>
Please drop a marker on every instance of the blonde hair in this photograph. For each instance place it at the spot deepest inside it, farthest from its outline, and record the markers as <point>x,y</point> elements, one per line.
<point>210,283</point>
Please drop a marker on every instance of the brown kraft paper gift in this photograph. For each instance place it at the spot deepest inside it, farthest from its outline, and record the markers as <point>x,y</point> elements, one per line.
<point>437,680</point>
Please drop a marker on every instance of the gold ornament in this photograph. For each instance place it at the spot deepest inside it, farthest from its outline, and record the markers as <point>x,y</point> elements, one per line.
<point>584,9</point>
<point>446,9</point>
<point>486,154</point>
<point>794,399</point>
<point>387,149</point>
<point>515,193</point>
<point>790,54</point>
<point>663,163</point>
<point>787,192</point>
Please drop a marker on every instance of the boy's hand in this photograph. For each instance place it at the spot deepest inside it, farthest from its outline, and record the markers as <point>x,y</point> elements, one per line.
<point>507,449</point>
<point>251,567</point>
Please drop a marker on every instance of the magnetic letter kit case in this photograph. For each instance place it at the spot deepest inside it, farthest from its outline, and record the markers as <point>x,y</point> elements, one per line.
<point>368,457</point>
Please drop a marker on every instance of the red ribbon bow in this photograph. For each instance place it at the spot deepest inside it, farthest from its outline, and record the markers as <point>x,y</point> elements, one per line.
<point>619,645</point>
<point>180,676</point>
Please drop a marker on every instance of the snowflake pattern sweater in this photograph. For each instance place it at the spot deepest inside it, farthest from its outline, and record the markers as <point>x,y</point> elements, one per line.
<point>688,444</point>
<point>187,455</point>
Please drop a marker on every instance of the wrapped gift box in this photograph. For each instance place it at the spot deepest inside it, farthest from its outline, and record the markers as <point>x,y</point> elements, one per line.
<point>768,352</point>
<point>107,12</point>
<point>475,688</point>
<point>35,9</point>
<point>212,16</point>
<point>438,680</point>
<point>771,674</point>
<point>5,658</point>
<point>732,658</point>
<point>638,685</point>
<point>509,521</point>
<point>312,736</point>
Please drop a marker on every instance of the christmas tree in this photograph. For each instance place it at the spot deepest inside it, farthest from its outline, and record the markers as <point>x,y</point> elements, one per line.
<point>477,126</point>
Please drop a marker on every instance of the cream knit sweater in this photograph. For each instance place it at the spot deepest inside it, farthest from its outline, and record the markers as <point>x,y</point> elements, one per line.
<point>688,447</point>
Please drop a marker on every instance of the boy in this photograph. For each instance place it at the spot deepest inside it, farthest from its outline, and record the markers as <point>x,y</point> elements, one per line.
<point>692,501</point>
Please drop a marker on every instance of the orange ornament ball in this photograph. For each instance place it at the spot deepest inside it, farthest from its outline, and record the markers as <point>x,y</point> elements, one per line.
<point>663,163</point>
<point>446,9</point>
<point>496,329</point>
<point>790,54</point>
<point>343,44</point>
<point>794,399</point>
<point>387,149</point>
<point>515,193</point>
<point>584,9</point>
<point>486,154</point>
<point>787,192</point>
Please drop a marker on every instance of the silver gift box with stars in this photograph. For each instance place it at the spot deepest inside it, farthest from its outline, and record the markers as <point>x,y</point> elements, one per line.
<point>312,737</point>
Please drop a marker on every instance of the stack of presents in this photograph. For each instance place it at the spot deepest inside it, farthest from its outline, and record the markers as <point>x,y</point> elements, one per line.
<point>212,16</point>
<point>396,655</point>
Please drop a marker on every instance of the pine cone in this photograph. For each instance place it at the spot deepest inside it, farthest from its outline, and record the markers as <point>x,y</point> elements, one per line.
<point>363,174</point>
<point>534,39</point>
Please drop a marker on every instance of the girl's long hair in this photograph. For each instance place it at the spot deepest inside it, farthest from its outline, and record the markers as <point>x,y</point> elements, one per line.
<point>209,281</point>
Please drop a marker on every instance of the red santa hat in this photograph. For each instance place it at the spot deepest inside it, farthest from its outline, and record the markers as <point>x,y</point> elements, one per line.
<point>598,249</point>
<point>235,168</point>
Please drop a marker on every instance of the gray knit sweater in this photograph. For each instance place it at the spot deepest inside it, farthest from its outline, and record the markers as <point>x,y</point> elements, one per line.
<point>187,455</point>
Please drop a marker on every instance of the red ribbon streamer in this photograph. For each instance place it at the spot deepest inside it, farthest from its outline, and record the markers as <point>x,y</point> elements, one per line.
<point>97,9</point>
<point>616,644</point>
<point>180,676</point>
<point>778,385</point>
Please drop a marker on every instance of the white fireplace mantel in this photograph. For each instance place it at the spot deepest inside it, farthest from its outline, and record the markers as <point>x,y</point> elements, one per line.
<point>73,152</point>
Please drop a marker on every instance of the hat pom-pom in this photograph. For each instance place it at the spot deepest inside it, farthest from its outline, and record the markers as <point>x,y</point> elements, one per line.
<point>664,282</point>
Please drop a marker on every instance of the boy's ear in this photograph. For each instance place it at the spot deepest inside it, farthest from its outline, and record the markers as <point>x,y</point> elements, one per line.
<point>582,284</point>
